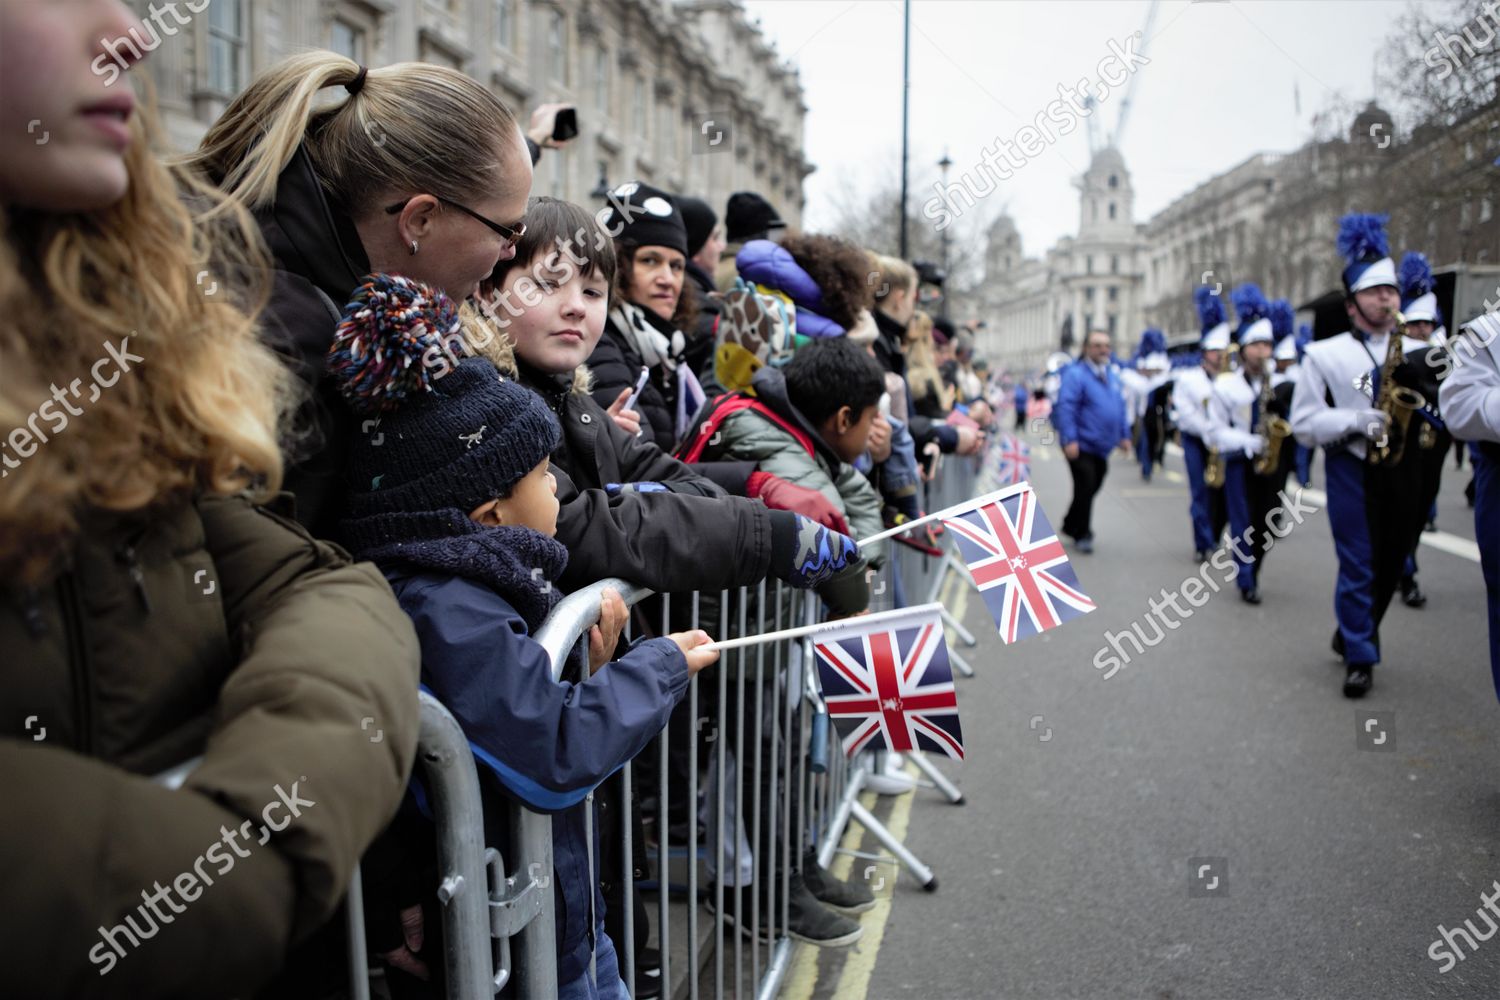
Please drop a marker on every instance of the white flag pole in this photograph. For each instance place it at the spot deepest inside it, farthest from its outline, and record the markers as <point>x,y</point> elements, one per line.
<point>861,621</point>
<point>946,512</point>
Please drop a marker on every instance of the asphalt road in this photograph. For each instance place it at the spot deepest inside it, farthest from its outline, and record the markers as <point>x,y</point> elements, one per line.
<point>1073,870</point>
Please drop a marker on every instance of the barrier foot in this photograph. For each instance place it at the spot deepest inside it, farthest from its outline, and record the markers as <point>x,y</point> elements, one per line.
<point>959,663</point>
<point>938,778</point>
<point>958,629</point>
<point>914,864</point>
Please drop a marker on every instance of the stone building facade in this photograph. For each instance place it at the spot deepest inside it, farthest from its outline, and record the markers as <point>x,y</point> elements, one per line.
<point>686,95</point>
<point>1271,219</point>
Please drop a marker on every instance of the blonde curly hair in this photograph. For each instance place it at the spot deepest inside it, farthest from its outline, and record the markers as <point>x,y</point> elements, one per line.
<point>199,413</point>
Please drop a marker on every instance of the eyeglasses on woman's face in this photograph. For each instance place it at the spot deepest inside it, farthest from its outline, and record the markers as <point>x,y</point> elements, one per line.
<point>510,234</point>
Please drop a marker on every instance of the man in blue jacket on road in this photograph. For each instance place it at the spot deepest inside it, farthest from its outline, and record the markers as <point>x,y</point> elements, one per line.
<point>1090,419</point>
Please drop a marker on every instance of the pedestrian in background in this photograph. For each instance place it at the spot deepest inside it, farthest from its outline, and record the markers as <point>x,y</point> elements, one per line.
<point>1091,421</point>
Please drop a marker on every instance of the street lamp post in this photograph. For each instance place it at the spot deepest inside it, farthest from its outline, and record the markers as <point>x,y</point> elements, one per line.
<point>943,165</point>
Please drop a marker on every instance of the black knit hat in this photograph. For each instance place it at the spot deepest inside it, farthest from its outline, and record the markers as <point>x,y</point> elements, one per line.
<point>749,216</point>
<point>699,219</point>
<point>442,430</point>
<point>645,216</point>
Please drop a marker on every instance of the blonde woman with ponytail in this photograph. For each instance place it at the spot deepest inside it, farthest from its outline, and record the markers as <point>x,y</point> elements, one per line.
<point>931,396</point>
<point>412,169</point>
<point>153,612</point>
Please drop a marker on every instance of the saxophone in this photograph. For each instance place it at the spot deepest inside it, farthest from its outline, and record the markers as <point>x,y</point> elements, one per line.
<point>1273,430</point>
<point>1396,401</point>
<point>1213,466</point>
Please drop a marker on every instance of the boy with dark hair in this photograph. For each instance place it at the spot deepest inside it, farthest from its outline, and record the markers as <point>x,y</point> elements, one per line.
<point>806,423</point>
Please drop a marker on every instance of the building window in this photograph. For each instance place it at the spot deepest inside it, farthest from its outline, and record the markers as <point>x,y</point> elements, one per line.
<point>347,40</point>
<point>1486,208</point>
<point>1114,181</point>
<point>1114,264</point>
<point>226,46</point>
<point>601,80</point>
<point>1088,293</point>
<point>505,23</point>
<point>1111,210</point>
<point>1114,322</point>
<point>557,46</point>
<point>1114,293</point>
<point>1088,264</point>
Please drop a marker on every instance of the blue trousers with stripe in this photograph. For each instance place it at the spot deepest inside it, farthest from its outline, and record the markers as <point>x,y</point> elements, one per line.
<point>1194,455</point>
<point>1249,499</point>
<point>1487,534</point>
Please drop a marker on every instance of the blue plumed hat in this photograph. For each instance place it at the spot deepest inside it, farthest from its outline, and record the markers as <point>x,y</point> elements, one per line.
<point>443,430</point>
<point>1211,319</point>
<point>1253,311</point>
<point>1283,323</point>
<point>1362,243</point>
<point>1151,351</point>
<point>1418,301</point>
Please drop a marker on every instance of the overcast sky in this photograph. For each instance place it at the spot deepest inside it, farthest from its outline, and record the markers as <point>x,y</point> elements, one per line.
<point>1220,85</point>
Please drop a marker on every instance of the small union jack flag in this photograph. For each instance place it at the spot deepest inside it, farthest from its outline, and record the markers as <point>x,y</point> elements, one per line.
<point>1015,460</point>
<point>1018,563</point>
<point>888,682</point>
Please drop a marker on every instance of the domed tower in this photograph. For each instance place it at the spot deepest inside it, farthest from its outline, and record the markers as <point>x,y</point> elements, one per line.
<point>1002,253</point>
<point>1372,127</point>
<point>1107,201</point>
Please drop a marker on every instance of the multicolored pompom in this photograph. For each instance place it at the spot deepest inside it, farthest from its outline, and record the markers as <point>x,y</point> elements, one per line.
<point>395,339</point>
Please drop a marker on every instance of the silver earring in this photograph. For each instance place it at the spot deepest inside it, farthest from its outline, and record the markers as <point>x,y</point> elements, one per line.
<point>413,248</point>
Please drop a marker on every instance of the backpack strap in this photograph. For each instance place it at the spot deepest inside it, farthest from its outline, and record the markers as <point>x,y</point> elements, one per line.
<point>720,410</point>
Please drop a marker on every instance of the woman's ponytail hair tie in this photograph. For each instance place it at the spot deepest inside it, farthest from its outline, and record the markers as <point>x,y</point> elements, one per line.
<point>354,86</point>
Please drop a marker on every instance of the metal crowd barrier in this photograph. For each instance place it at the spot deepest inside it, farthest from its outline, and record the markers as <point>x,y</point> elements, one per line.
<point>498,922</point>
<point>499,929</point>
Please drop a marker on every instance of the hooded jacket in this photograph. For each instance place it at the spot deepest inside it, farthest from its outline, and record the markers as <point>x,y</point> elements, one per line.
<point>477,596</point>
<point>211,628</point>
<point>762,262</point>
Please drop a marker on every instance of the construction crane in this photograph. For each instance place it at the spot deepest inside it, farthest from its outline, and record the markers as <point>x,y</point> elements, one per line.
<point>1117,136</point>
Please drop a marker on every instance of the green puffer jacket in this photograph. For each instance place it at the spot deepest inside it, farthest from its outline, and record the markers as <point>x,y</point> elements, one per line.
<point>748,436</point>
<point>212,628</point>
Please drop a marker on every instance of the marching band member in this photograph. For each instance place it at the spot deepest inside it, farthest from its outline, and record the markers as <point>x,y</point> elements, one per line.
<point>1372,507</point>
<point>1141,382</point>
<point>1302,455</point>
<point>1424,320</point>
<point>1241,406</point>
<point>1470,398</point>
<point>1190,396</point>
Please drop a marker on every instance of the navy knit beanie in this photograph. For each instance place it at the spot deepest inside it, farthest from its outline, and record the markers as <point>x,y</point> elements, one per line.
<point>434,434</point>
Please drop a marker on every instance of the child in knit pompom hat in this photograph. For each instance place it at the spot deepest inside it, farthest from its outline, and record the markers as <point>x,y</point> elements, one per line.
<point>450,495</point>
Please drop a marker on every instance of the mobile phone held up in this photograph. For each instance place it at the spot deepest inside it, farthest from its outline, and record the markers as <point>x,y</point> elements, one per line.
<point>565,125</point>
<point>640,384</point>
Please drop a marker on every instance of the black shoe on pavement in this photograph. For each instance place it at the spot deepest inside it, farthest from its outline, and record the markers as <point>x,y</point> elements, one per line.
<point>647,974</point>
<point>809,920</point>
<point>1338,643</point>
<point>1251,596</point>
<point>1411,594</point>
<point>730,918</point>
<point>1200,555</point>
<point>851,897</point>
<point>1358,681</point>
<point>1085,545</point>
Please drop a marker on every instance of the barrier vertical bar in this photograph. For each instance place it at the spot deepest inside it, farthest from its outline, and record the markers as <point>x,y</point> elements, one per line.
<point>694,969</point>
<point>739,796</point>
<point>721,749</point>
<point>664,834</point>
<point>758,872</point>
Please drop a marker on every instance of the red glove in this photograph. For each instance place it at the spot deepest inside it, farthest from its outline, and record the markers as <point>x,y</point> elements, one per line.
<point>778,494</point>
